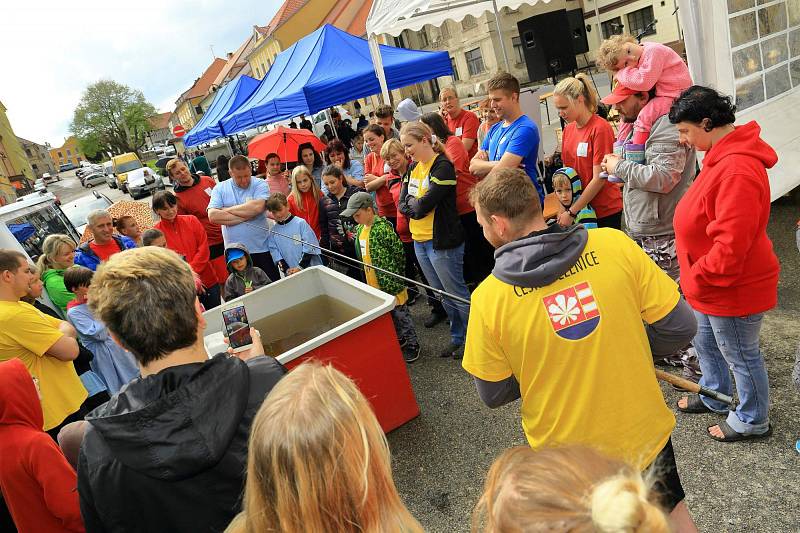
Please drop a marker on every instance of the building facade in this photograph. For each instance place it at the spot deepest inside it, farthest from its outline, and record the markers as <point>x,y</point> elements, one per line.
<point>160,132</point>
<point>187,106</point>
<point>16,174</point>
<point>39,157</point>
<point>68,153</point>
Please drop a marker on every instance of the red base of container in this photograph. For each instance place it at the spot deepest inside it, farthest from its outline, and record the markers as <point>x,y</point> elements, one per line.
<point>370,355</point>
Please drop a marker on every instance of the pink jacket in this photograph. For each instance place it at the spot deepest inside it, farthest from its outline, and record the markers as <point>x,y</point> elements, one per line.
<point>660,67</point>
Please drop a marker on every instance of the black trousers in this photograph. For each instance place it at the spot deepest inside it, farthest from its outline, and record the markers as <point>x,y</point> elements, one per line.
<point>611,221</point>
<point>88,405</point>
<point>211,298</point>
<point>478,253</point>
<point>263,260</point>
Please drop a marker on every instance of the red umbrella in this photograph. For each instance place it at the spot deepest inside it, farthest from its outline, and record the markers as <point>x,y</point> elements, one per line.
<point>284,142</point>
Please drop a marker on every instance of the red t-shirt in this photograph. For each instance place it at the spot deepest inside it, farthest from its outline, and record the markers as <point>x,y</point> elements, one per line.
<point>374,164</point>
<point>194,201</point>
<point>106,250</point>
<point>581,149</point>
<point>465,126</point>
<point>465,181</point>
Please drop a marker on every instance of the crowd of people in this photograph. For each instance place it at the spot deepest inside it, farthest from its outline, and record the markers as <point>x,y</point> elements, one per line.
<point>128,403</point>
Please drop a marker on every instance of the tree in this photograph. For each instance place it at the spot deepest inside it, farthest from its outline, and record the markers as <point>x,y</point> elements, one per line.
<point>112,117</point>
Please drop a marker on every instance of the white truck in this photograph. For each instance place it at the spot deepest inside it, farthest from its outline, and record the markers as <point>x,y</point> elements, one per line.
<point>25,223</point>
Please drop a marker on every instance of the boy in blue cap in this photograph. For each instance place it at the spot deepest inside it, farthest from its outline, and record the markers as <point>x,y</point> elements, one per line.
<point>244,277</point>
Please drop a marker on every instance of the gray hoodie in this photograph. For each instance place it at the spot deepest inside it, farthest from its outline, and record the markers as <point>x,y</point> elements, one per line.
<point>251,276</point>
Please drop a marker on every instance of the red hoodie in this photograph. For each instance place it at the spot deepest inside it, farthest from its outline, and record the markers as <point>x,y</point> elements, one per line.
<point>728,267</point>
<point>38,484</point>
<point>309,211</point>
<point>374,164</point>
<point>395,184</point>
<point>186,236</point>
<point>193,200</point>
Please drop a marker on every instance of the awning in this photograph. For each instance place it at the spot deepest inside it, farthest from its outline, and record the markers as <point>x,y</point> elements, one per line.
<point>227,100</point>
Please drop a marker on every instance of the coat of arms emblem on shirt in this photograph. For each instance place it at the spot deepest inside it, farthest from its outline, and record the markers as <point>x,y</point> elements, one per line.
<point>573,311</point>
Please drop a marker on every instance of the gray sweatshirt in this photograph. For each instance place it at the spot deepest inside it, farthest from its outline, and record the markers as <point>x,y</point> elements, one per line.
<point>653,190</point>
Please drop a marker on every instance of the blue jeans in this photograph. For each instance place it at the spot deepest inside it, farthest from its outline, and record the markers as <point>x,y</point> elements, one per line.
<point>731,343</point>
<point>444,270</point>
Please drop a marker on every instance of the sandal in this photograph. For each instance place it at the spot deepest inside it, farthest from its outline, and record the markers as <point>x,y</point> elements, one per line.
<point>731,435</point>
<point>694,405</point>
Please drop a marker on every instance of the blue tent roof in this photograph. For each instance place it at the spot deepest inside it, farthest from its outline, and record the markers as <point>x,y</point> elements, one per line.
<point>327,68</point>
<point>23,231</point>
<point>232,95</point>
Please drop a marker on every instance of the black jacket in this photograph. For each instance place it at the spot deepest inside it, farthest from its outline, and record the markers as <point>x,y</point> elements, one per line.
<point>441,196</point>
<point>337,231</point>
<point>169,451</point>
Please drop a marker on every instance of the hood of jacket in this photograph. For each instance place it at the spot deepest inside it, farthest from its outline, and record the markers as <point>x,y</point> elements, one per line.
<point>538,259</point>
<point>574,179</point>
<point>181,188</point>
<point>19,401</point>
<point>177,423</point>
<point>237,246</point>
<point>743,141</point>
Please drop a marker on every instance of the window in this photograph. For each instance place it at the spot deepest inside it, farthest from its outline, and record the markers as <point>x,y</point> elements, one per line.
<point>444,30</point>
<point>258,74</point>
<point>468,23</point>
<point>638,21</point>
<point>68,152</point>
<point>60,155</point>
<point>423,38</point>
<point>455,70</point>
<point>612,27</point>
<point>474,61</point>
<point>765,49</point>
<point>519,55</point>
<point>400,40</point>
<point>28,151</point>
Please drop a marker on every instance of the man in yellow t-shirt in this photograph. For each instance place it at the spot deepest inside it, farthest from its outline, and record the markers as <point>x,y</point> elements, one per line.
<point>46,345</point>
<point>561,324</point>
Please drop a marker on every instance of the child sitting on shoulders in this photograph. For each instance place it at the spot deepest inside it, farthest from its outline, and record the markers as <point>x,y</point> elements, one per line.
<point>113,363</point>
<point>376,243</point>
<point>642,67</point>
<point>567,186</point>
<point>244,278</point>
<point>287,243</point>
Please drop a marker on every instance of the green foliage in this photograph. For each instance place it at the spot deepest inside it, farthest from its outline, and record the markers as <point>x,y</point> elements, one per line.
<point>111,117</point>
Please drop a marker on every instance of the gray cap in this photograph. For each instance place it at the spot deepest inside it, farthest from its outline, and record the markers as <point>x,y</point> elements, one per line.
<point>356,202</point>
<point>407,111</point>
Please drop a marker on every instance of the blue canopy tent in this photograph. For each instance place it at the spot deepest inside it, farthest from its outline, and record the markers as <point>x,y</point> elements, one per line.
<point>327,68</point>
<point>228,100</point>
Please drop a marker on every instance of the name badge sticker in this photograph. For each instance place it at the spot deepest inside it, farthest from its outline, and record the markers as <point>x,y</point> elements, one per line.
<point>459,131</point>
<point>583,149</point>
<point>208,191</point>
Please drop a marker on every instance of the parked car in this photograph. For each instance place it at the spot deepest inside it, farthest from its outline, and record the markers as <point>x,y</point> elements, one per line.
<point>142,181</point>
<point>122,165</point>
<point>93,178</point>
<point>77,210</point>
<point>39,185</point>
<point>49,178</point>
<point>65,167</point>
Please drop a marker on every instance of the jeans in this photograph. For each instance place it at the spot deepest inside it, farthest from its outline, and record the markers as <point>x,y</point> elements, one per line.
<point>412,268</point>
<point>731,343</point>
<point>404,327</point>
<point>444,270</point>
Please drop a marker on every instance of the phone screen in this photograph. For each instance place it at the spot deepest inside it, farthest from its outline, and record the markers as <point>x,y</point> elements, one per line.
<point>237,327</point>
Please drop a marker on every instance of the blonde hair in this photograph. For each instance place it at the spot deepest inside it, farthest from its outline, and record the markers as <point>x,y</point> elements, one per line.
<point>52,244</point>
<point>612,49</point>
<point>420,131</point>
<point>566,489</point>
<point>392,145</point>
<point>561,179</point>
<point>172,163</point>
<point>580,85</point>
<point>319,461</point>
<point>295,193</point>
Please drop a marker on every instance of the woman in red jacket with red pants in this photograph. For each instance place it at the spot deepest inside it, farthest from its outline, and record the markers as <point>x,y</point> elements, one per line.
<point>186,236</point>
<point>729,272</point>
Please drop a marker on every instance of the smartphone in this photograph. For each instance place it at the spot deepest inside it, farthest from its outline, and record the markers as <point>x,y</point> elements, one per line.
<point>237,327</point>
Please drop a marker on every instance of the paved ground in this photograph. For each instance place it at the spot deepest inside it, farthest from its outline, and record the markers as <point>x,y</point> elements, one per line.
<point>441,458</point>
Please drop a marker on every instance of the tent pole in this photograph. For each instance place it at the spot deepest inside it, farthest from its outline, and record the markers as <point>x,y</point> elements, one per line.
<point>500,35</point>
<point>377,62</point>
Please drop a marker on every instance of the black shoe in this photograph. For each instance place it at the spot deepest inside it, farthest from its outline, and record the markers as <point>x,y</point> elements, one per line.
<point>411,353</point>
<point>412,298</point>
<point>459,352</point>
<point>451,349</point>
<point>434,319</point>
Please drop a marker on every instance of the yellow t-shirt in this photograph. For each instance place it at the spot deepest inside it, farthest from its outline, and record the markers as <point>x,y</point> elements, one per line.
<point>370,274</point>
<point>579,350</point>
<point>418,184</point>
<point>26,333</point>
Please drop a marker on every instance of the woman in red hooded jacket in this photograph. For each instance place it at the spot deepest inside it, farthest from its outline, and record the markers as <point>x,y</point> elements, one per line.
<point>729,272</point>
<point>376,173</point>
<point>38,484</point>
<point>186,236</point>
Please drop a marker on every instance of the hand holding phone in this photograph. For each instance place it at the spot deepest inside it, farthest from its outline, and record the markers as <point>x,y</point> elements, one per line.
<point>237,327</point>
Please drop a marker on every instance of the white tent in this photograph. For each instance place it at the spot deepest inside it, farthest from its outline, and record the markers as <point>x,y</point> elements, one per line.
<point>392,17</point>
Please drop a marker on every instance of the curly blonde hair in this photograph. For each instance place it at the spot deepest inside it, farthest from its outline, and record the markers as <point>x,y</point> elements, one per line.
<point>612,49</point>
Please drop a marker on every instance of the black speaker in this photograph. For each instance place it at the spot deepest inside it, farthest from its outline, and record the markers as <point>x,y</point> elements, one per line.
<point>547,43</point>
<point>580,44</point>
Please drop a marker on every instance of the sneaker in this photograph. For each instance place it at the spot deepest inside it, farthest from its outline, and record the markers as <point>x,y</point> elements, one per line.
<point>451,349</point>
<point>459,352</point>
<point>411,353</point>
<point>434,319</point>
<point>412,298</point>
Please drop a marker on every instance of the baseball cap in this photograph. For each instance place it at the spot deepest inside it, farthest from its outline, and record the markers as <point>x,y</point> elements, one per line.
<point>233,255</point>
<point>619,94</point>
<point>407,111</point>
<point>356,202</point>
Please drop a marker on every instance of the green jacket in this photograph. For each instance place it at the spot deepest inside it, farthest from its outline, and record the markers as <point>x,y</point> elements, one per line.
<point>53,281</point>
<point>386,252</point>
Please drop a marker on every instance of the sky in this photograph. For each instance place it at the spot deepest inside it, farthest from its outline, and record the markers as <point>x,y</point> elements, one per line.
<point>51,51</point>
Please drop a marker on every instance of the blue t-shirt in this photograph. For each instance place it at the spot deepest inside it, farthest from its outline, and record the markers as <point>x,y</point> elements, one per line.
<point>252,233</point>
<point>521,138</point>
<point>288,248</point>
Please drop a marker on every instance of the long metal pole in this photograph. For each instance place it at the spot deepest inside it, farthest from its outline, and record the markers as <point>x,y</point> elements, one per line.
<point>500,36</point>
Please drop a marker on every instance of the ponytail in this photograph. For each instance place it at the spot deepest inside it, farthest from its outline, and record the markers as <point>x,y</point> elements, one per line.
<point>621,503</point>
<point>580,85</point>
